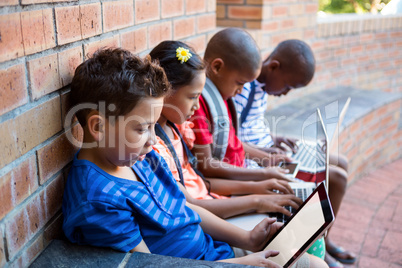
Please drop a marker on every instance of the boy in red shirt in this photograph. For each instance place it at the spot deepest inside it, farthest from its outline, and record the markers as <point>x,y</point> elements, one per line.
<point>233,59</point>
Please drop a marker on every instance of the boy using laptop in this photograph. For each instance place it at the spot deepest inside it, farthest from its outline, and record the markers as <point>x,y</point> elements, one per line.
<point>290,66</point>
<point>233,59</point>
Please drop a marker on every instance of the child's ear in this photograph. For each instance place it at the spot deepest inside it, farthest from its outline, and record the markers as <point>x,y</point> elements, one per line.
<point>216,65</point>
<point>96,126</point>
<point>274,65</point>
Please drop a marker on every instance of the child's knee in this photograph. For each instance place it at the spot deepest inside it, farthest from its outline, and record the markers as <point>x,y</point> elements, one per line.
<point>343,162</point>
<point>338,176</point>
<point>339,160</point>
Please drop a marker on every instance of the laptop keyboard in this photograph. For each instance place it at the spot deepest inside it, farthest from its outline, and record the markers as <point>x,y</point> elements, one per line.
<point>301,190</point>
<point>307,156</point>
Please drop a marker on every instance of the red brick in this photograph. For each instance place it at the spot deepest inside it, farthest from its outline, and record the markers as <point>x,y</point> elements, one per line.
<point>244,12</point>
<point>68,61</point>
<point>90,48</point>
<point>334,43</point>
<point>32,217</point>
<point>229,23</point>
<point>17,185</point>
<point>197,43</point>
<point>54,230</point>
<point>8,3</point>
<point>296,9</point>
<point>286,24</point>
<point>159,32</point>
<point>356,49</point>
<point>317,45</point>
<point>195,6</point>
<point>13,92</point>
<point>91,20</point>
<point>253,24</point>
<point>309,34</point>
<point>279,11</point>
<point>29,129</point>
<point>135,41</point>
<point>381,36</point>
<point>54,156</point>
<point>44,75</point>
<point>37,30</point>
<point>311,8</point>
<point>146,10</point>
<point>340,52</point>
<point>172,8</point>
<point>68,24</point>
<point>370,47</point>
<point>211,5</point>
<point>117,15</point>
<point>27,255</point>
<point>23,226</point>
<point>206,23</point>
<point>183,28</point>
<point>11,45</point>
<point>221,11</point>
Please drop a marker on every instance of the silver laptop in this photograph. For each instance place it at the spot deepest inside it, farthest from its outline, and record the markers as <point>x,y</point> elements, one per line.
<point>319,165</point>
<point>306,155</point>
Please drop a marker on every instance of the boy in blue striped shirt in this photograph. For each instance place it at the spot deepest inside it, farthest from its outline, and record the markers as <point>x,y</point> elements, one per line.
<point>290,66</point>
<point>121,194</point>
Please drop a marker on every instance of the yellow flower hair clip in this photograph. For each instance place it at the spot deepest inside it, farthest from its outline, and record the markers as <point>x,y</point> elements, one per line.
<point>183,54</point>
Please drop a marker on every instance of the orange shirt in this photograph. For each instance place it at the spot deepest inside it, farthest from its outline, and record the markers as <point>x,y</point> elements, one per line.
<point>195,185</point>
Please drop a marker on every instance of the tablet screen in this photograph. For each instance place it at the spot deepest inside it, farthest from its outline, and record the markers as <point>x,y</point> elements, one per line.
<point>298,231</point>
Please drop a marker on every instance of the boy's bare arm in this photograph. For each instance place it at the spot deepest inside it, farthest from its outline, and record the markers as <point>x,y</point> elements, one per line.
<point>256,259</point>
<point>236,187</point>
<point>211,167</point>
<point>222,230</point>
<point>141,247</point>
<point>262,203</point>
<point>263,158</point>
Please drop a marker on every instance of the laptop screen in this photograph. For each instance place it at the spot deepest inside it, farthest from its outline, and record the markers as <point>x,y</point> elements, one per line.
<point>321,159</point>
<point>303,228</point>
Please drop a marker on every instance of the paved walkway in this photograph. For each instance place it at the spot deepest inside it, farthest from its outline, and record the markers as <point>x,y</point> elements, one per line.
<point>370,220</point>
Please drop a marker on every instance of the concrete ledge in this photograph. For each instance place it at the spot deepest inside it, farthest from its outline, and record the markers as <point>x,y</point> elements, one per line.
<point>371,132</point>
<point>62,254</point>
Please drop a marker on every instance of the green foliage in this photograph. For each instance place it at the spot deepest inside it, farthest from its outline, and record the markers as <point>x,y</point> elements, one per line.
<point>350,6</point>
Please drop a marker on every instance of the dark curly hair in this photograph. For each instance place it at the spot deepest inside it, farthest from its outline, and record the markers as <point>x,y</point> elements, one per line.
<point>116,76</point>
<point>178,74</point>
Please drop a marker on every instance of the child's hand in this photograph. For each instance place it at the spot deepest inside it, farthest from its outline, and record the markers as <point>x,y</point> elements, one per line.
<point>259,259</point>
<point>269,186</point>
<point>277,203</point>
<point>276,173</point>
<point>259,236</point>
<point>275,159</point>
<point>291,143</point>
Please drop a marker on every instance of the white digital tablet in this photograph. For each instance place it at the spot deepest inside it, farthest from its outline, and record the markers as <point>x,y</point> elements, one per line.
<point>303,228</point>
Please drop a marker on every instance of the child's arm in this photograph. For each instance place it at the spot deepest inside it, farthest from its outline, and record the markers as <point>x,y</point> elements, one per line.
<point>291,143</point>
<point>211,167</point>
<point>235,187</point>
<point>256,259</point>
<point>225,208</point>
<point>263,158</point>
<point>222,230</point>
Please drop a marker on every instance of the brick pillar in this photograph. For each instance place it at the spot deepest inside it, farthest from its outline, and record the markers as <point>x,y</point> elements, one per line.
<point>269,21</point>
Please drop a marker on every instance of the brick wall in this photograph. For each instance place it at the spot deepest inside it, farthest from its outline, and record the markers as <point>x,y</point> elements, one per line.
<point>42,41</point>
